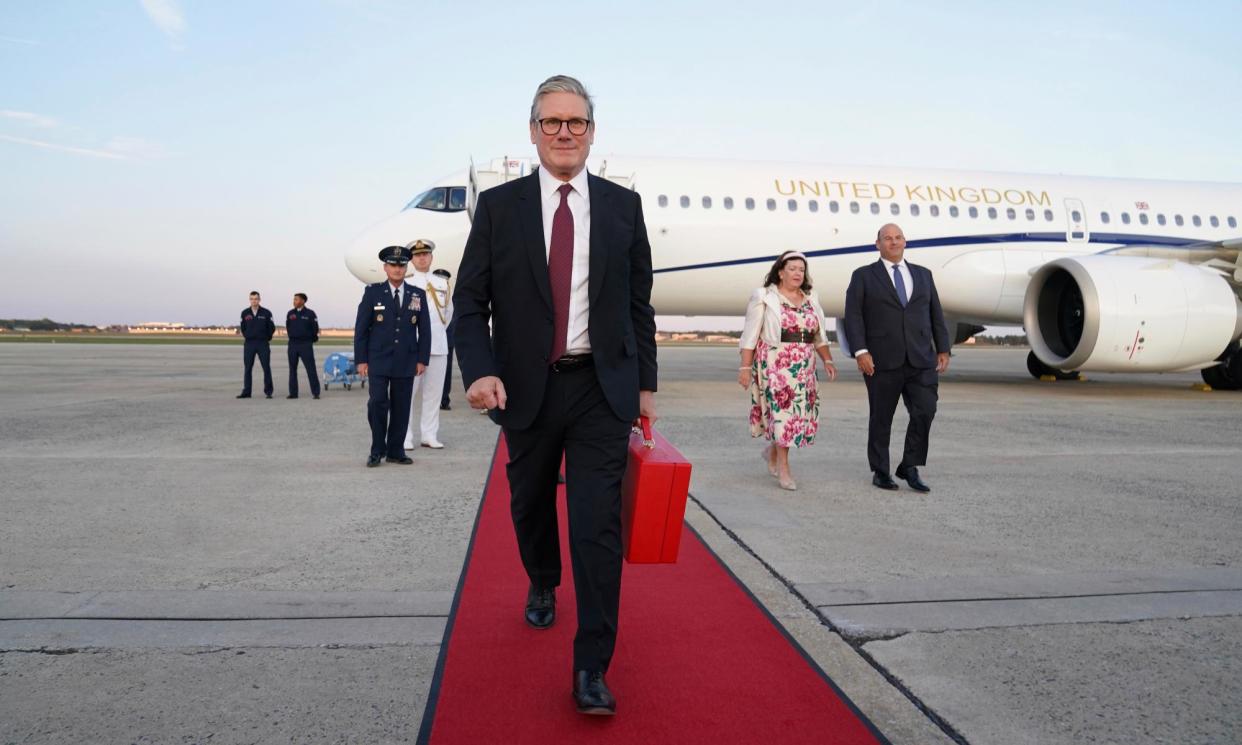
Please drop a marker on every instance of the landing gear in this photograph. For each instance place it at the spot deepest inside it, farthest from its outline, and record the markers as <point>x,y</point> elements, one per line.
<point>1038,369</point>
<point>1227,376</point>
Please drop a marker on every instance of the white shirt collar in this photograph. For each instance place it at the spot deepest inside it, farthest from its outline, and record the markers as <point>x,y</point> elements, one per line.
<point>548,184</point>
<point>890,264</point>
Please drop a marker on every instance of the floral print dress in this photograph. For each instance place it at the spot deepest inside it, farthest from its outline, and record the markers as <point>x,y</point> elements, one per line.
<point>784,400</point>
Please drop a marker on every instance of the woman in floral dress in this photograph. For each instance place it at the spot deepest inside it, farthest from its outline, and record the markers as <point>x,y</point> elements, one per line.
<point>784,333</point>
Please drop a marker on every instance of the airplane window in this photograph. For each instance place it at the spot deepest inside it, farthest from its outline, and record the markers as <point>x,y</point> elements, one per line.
<point>1011,214</point>
<point>662,200</point>
<point>685,201</point>
<point>793,205</point>
<point>1214,221</point>
<point>953,211</point>
<point>833,207</point>
<point>854,208</point>
<point>457,199</point>
<point>914,210</point>
<point>1160,219</point>
<point>992,212</point>
<point>750,203</point>
<point>813,206</point>
<point>1125,217</point>
<point>728,203</point>
<point>432,199</point>
<point>771,205</point>
<point>1047,215</point>
<point>1030,214</point>
<point>1233,223</point>
<point>1178,219</point>
<point>1076,216</point>
<point>934,210</point>
<point>894,209</point>
<point>1195,219</point>
<point>875,208</point>
<point>1143,218</point>
<point>1104,218</point>
<point>707,203</point>
<point>974,211</point>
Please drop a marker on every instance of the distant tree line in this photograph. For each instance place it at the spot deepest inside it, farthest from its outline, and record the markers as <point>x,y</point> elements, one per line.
<point>40,324</point>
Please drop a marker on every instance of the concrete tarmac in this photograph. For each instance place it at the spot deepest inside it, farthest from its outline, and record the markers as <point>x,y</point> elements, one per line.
<point>178,565</point>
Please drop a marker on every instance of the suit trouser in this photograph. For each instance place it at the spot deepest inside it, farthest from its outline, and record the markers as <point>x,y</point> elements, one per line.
<point>430,384</point>
<point>304,351</point>
<point>264,352</point>
<point>918,387</point>
<point>448,379</point>
<point>576,420</point>
<point>388,411</point>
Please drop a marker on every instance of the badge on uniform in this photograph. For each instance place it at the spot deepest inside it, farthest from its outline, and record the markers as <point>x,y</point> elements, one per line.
<point>379,318</point>
<point>293,316</point>
<point>416,304</point>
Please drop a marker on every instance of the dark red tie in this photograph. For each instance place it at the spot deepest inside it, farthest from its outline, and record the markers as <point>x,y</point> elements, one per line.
<point>560,270</point>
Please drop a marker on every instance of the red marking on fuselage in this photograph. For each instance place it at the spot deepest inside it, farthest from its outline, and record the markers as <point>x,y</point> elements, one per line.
<point>1134,347</point>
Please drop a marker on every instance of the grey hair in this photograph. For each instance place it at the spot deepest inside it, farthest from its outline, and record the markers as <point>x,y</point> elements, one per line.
<point>562,84</point>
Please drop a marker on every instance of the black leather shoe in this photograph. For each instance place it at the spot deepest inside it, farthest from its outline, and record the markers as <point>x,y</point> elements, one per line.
<point>243,395</point>
<point>911,476</point>
<point>315,396</point>
<point>267,395</point>
<point>404,460</point>
<point>373,461</point>
<point>286,396</point>
<point>446,407</point>
<point>591,694</point>
<point>883,480</point>
<point>540,607</point>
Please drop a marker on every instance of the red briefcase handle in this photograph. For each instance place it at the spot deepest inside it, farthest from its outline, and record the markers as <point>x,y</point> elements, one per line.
<point>642,426</point>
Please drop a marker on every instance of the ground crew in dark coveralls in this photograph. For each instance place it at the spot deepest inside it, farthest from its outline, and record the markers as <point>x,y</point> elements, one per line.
<point>302,328</point>
<point>392,345</point>
<point>257,328</point>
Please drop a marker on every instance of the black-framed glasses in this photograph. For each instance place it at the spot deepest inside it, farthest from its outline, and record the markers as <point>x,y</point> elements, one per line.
<point>552,126</point>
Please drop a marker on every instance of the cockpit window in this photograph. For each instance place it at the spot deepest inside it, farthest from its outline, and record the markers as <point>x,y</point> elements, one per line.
<point>440,199</point>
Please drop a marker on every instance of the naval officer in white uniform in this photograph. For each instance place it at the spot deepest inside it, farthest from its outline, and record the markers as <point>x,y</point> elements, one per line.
<point>431,383</point>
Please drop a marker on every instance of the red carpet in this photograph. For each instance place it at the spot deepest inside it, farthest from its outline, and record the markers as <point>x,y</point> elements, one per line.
<point>697,660</point>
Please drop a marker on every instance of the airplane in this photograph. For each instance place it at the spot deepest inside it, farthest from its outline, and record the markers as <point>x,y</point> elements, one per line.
<point>1104,274</point>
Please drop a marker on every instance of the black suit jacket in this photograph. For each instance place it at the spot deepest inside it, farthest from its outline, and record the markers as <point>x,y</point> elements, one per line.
<point>503,279</point>
<point>875,320</point>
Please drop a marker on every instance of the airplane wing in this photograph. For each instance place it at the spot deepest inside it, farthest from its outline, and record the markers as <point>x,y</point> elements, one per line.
<point>1223,256</point>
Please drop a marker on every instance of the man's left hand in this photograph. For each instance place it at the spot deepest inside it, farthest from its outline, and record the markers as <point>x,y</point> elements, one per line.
<point>942,362</point>
<point>646,406</point>
<point>419,368</point>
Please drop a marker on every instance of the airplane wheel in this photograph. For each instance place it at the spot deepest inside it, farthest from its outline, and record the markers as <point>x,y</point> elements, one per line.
<point>1038,369</point>
<point>1227,376</point>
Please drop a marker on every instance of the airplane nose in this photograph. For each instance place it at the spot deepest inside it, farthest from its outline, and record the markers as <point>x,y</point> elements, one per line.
<point>448,231</point>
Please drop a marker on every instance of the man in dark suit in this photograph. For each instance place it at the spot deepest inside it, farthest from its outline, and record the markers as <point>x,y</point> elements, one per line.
<point>302,328</point>
<point>895,326</point>
<point>559,263</point>
<point>392,345</point>
<point>257,328</point>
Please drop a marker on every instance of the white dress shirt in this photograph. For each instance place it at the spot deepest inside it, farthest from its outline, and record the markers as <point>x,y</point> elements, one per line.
<point>397,290</point>
<point>440,301</point>
<point>905,274</point>
<point>577,341</point>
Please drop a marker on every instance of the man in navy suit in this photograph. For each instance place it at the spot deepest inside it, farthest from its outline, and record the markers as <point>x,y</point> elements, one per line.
<point>895,326</point>
<point>257,327</point>
<point>392,345</point>
<point>560,265</point>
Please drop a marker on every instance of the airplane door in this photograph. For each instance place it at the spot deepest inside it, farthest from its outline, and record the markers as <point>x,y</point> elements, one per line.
<point>1076,218</point>
<point>472,191</point>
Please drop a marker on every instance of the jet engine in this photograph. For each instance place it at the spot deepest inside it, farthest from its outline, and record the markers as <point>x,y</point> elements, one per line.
<point>1123,313</point>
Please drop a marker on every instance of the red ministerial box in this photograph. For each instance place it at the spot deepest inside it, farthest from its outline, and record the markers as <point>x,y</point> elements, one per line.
<point>653,499</point>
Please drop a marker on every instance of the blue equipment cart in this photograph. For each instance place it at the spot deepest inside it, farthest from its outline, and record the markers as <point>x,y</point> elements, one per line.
<point>339,368</point>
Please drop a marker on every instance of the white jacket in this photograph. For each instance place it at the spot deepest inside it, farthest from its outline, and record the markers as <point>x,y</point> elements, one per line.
<point>763,318</point>
<point>441,305</point>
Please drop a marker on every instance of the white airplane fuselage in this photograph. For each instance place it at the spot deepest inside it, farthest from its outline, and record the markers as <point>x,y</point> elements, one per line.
<point>716,226</point>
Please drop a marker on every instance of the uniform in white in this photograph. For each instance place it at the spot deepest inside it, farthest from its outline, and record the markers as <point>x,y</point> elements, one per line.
<point>431,383</point>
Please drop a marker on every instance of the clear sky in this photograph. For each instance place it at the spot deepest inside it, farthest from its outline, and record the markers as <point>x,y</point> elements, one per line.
<point>160,158</point>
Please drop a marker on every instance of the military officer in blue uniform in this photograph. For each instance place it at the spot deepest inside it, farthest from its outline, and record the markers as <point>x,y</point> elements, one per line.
<point>392,346</point>
<point>302,328</point>
<point>257,327</point>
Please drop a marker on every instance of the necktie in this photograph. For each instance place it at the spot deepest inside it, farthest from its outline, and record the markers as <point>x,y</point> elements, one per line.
<point>396,296</point>
<point>900,284</point>
<point>560,270</point>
